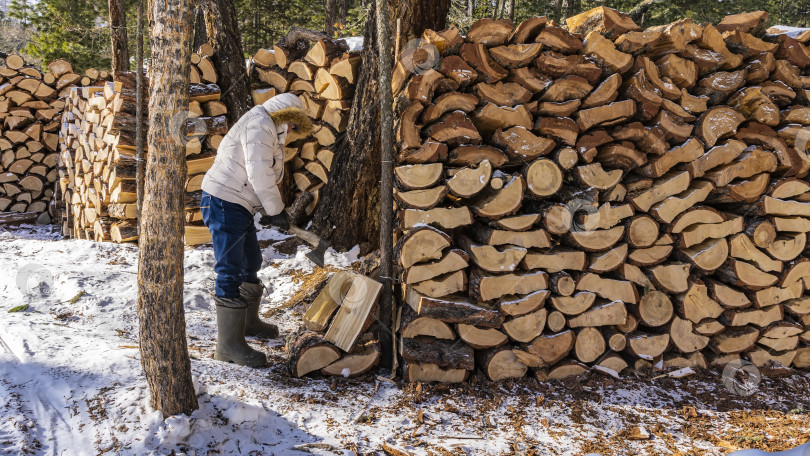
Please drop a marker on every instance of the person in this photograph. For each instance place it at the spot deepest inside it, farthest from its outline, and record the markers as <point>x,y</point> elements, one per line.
<point>243,181</point>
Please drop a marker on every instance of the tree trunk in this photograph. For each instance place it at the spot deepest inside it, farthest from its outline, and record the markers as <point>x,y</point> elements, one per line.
<point>639,12</point>
<point>348,213</point>
<point>470,9</point>
<point>329,25</point>
<point>118,36</point>
<point>343,13</point>
<point>511,10</point>
<point>222,31</point>
<point>572,7</point>
<point>164,354</point>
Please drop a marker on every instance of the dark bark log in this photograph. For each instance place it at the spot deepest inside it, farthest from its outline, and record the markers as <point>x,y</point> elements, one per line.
<point>446,354</point>
<point>118,36</point>
<point>348,212</point>
<point>164,355</point>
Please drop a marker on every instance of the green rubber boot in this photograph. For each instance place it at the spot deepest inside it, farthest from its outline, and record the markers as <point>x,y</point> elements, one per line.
<point>251,293</point>
<point>231,345</point>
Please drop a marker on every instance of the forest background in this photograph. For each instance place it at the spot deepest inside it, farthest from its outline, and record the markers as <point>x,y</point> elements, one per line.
<point>78,30</point>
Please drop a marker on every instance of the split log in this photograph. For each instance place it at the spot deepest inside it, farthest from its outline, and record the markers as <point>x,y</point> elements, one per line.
<point>421,244</point>
<point>526,327</point>
<point>453,129</point>
<point>501,363</point>
<point>453,260</point>
<point>609,314</point>
<point>552,348</point>
<point>605,115</point>
<point>309,352</point>
<point>609,260</point>
<point>647,346</point>
<point>735,340</point>
<point>717,123</point>
<point>683,337</point>
<point>695,305</point>
<point>574,305</point>
<point>413,326</point>
<point>742,274</point>
<point>477,56</point>
<point>559,40</point>
<point>671,277</point>
<point>593,175</point>
<point>495,204</point>
<point>787,247</point>
<point>562,371</point>
<point>556,260</point>
<point>485,287</point>
<point>444,285</point>
<point>518,222</point>
<point>468,182</point>
<point>491,259</point>
<point>516,305</point>
<point>362,360</point>
<point>481,338</point>
<point>605,52</point>
<point>355,313</point>
<point>441,217</point>
<point>414,177</point>
<point>607,21</point>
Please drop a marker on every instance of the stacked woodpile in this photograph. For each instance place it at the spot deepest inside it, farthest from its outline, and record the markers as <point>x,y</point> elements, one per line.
<point>322,76</point>
<point>602,196</point>
<point>98,155</point>
<point>337,337</point>
<point>31,103</point>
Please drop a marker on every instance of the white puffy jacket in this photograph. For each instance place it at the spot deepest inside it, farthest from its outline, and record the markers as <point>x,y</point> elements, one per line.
<point>250,159</point>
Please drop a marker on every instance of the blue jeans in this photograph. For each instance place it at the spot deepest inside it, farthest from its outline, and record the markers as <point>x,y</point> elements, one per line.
<point>236,249</point>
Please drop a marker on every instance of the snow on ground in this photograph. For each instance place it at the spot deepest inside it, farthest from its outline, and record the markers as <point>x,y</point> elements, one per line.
<point>71,381</point>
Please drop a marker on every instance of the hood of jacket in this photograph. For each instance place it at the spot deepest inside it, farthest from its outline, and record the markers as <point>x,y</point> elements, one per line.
<point>295,116</point>
<point>282,101</point>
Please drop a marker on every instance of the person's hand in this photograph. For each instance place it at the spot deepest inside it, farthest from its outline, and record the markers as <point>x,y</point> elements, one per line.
<point>278,221</point>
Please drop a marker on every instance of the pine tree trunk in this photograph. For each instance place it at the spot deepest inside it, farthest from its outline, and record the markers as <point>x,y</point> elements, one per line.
<point>348,213</point>
<point>511,10</point>
<point>164,354</point>
<point>118,36</point>
<point>330,17</point>
<point>222,31</point>
<point>343,13</point>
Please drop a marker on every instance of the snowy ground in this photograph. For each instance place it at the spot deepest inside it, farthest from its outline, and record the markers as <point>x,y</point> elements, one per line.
<point>71,382</point>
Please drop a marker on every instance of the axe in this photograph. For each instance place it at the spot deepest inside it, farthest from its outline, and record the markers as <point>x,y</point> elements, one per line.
<point>294,215</point>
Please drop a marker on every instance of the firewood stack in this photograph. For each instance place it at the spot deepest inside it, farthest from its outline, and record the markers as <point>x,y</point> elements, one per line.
<point>337,337</point>
<point>601,196</point>
<point>31,104</point>
<point>99,159</point>
<point>323,77</point>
